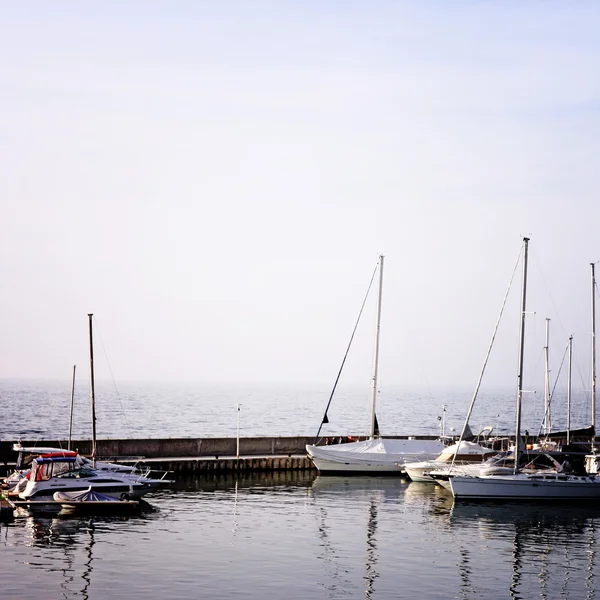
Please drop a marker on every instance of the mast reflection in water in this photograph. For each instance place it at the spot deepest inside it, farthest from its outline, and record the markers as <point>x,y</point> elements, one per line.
<point>552,550</point>
<point>299,536</point>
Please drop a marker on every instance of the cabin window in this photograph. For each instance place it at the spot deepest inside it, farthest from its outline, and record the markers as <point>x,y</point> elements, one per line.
<point>41,472</point>
<point>60,468</point>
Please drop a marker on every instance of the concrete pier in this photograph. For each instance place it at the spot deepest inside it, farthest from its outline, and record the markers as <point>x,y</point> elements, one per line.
<point>190,455</point>
<point>186,465</point>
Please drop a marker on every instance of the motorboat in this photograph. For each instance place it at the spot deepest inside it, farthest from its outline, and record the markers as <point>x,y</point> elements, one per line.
<point>63,473</point>
<point>26,454</point>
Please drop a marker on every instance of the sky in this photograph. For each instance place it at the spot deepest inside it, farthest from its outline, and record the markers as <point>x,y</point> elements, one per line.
<point>216,180</point>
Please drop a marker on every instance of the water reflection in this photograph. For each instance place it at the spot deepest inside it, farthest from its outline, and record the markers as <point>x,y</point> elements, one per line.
<point>64,544</point>
<point>317,537</point>
<point>375,491</point>
<point>517,551</point>
<point>371,561</point>
<point>232,481</point>
<point>548,544</point>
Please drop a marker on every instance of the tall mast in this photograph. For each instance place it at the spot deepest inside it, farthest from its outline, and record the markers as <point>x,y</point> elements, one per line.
<point>72,401</point>
<point>593,347</point>
<point>93,391</point>
<point>547,417</point>
<point>569,390</point>
<point>376,366</point>
<point>521,349</point>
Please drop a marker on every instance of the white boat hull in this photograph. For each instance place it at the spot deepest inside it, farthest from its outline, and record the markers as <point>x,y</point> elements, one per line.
<point>420,471</point>
<point>467,454</point>
<point>330,466</point>
<point>116,488</point>
<point>372,456</point>
<point>525,487</point>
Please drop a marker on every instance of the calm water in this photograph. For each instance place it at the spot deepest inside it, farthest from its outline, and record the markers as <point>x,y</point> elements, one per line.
<point>306,537</point>
<point>290,536</point>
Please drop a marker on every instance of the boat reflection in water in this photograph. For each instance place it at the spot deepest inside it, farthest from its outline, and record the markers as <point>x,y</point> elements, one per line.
<point>552,548</point>
<point>75,539</point>
<point>370,492</point>
<point>265,536</point>
<point>399,535</point>
<point>65,544</point>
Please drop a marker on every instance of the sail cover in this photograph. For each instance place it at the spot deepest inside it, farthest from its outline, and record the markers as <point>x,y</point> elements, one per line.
<point>382,450</point>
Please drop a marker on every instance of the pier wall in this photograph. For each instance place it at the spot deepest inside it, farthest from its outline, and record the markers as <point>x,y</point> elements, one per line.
<point>181,447</point>
<point>191,454</point>
<point>173,447</point>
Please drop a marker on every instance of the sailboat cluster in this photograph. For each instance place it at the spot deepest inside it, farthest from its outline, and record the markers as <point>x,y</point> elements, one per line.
<point>50,478</point>
<point>561,466</point>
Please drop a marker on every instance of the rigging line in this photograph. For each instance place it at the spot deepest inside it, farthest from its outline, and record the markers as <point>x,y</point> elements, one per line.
<point>113,379</point>
<point>325,419</point>
<point>485,362</point>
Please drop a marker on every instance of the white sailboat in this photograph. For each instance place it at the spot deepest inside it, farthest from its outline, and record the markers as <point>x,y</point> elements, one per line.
<point>375,455</point>
<point>521,485</point>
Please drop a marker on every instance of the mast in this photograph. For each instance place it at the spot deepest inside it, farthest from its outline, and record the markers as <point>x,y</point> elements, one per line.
<point>71,415</point>
<point>547,417</point>
<point>376,365</point>
<point>93,391</point>
<point>521,349</point>
<point>569,390</point>
<point>593,347</point>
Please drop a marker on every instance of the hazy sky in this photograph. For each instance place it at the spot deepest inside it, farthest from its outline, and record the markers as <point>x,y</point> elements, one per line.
<point>215,181</point>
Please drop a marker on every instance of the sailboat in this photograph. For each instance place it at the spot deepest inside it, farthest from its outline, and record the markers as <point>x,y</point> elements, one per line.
<point>521,485</point>
<point>375,455</point>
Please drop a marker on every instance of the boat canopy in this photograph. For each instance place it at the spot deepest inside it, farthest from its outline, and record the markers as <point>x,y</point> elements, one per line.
<point>463,449</point>
<point>54,459</point>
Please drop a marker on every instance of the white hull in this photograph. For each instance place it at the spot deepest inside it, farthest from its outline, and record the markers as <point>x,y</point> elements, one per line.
<point>44,492</point>
<point>420,471</point>
<point>330,466</point>
<point>372,456</point>
<point>447,473</point>
<point>116,485</point>
<point>525,487</point>
<point>423,471</point>
<point>466,455</point>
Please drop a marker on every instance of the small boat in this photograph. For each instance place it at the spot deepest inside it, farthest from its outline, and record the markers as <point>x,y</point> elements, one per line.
<point>92,501</point>
<point>377,454</point>
<point>458,454</point>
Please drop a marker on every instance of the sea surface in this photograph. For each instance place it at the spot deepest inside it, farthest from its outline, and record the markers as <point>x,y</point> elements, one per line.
<point>290,535</point>
<point>42,409</point>
<point>298,536</point>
